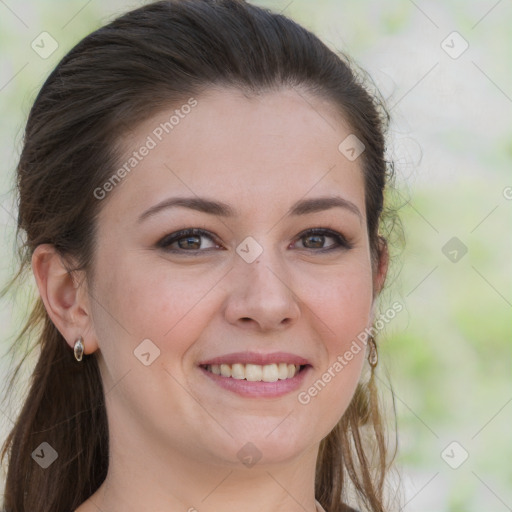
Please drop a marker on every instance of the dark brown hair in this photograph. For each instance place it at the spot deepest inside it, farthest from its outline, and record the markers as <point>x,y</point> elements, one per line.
<point>113,79</point>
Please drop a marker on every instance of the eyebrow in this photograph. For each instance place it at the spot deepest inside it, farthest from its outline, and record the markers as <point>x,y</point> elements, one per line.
<point>205,205</point>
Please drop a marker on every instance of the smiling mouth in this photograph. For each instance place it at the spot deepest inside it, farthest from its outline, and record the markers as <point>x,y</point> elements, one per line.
<point>255,372</point>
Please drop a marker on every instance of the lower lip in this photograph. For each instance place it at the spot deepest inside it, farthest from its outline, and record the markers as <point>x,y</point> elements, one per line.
<point>259,389</point>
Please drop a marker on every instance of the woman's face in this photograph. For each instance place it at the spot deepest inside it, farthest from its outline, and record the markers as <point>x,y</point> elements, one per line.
<point>255,282</point>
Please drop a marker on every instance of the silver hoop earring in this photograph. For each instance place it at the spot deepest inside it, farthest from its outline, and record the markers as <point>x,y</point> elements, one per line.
<point>79,349</point>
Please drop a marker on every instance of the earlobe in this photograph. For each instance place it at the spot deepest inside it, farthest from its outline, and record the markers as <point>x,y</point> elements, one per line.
<point>60,294</point>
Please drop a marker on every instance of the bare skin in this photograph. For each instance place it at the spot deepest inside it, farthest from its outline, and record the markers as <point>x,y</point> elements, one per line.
<point>175,436</point>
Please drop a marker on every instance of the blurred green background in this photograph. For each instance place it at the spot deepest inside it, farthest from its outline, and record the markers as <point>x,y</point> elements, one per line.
<point>449,352</point>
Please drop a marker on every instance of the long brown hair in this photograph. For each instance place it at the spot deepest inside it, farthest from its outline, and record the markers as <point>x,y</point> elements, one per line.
<point>118,76</point>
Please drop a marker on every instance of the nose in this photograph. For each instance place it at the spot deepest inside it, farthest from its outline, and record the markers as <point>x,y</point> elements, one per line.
<point>260,296</point>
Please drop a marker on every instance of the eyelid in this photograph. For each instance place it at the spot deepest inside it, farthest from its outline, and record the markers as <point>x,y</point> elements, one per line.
<point>182,233</point>
<point>341,241</point>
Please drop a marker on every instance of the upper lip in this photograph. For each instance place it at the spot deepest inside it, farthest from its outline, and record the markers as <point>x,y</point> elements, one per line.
<point>257,358</point>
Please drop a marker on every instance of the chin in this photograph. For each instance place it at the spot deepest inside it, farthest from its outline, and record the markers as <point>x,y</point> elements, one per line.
<point>268,447</point>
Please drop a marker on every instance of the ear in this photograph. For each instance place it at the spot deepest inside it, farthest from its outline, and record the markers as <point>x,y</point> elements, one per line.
<point>379,273</point>
<point>381,267</point>
<point>65,298</point>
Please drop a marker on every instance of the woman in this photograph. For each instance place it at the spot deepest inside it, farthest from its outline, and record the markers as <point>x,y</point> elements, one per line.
<point>201,188</point>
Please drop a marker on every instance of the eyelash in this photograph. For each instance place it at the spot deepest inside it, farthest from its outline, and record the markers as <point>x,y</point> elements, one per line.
<point>341,242</point>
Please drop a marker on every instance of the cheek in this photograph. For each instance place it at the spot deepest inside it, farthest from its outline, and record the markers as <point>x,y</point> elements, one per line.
<point>142,300</point>
<point>341,301</point>
<point>341,310</point>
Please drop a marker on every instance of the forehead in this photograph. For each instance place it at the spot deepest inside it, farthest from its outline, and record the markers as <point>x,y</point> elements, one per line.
<point>260,151</point>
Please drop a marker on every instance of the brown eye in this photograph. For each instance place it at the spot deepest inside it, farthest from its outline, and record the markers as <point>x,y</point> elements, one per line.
<point>190,240</point>
<point>187,240</point>
<point>316,239</point>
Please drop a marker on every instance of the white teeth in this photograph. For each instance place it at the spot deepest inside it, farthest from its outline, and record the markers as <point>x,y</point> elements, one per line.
<point>283,371</point>
<point>225,370</point>
<point>237,371</point>
<point>255,372</point>
<point>270,373</point>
